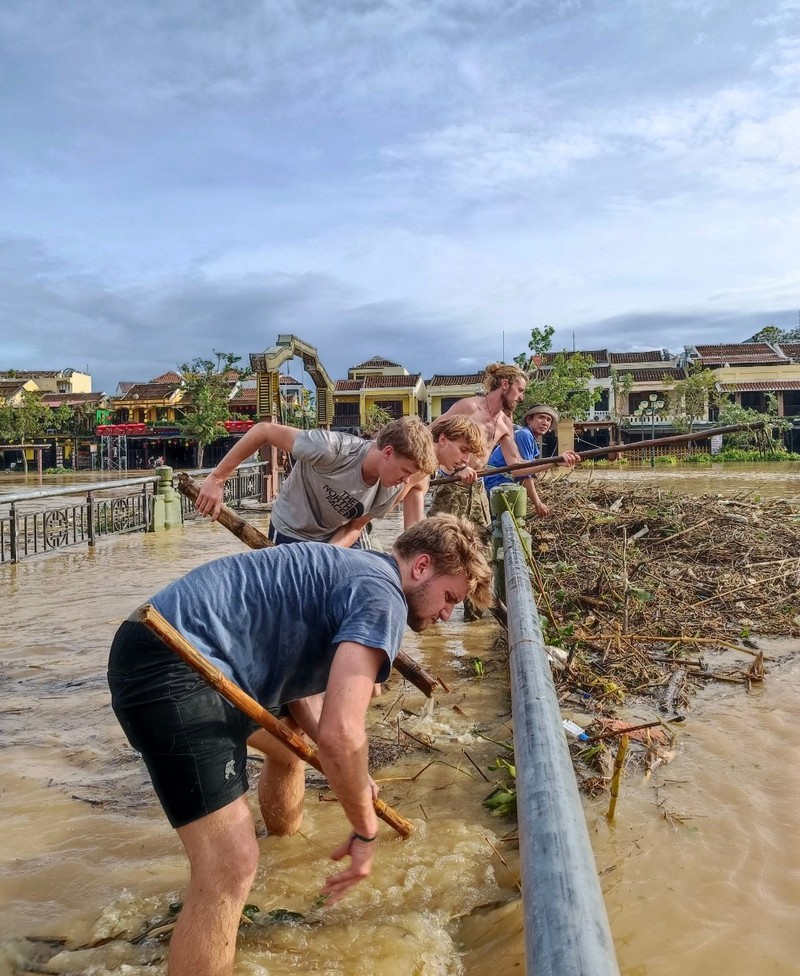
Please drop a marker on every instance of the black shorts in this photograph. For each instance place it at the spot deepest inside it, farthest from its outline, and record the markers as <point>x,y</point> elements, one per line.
<point>193,742</point>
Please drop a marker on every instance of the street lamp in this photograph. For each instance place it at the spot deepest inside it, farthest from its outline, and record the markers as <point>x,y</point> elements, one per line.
<point>650,407</point>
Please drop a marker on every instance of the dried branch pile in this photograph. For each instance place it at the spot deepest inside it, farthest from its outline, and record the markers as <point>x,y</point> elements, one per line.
<point>639,585</point>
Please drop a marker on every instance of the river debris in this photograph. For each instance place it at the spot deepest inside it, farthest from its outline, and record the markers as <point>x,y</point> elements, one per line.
<point>640,612</point>
<point>651,595</point>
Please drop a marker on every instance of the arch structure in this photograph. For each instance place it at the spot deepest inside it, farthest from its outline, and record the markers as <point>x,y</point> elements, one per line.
<point>266,365</point>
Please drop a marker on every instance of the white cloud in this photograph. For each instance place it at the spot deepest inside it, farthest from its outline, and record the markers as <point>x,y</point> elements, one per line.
<point>411,179</point>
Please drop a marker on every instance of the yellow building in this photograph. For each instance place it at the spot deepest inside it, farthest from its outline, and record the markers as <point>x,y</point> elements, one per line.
<point>446,389</point>
<point>12,390</point>
<point>52,381</point>
<point>377,383</point>
<point>155,402</point>
<point>749,372</point>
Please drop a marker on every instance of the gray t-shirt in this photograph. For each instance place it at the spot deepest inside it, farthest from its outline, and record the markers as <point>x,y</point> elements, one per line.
<point>326,489</point>
<point>272,619</point>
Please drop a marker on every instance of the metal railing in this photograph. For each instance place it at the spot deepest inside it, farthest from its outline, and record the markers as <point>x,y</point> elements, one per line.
<point>90,511</point>
<point>248,482</point>
<point>565,921</point>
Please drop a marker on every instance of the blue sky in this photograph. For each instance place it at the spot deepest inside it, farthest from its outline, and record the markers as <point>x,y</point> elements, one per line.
<point>424,180</point>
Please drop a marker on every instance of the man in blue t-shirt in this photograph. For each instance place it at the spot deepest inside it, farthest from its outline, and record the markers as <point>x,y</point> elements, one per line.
<point>536,422</point>
<point>284,624</point>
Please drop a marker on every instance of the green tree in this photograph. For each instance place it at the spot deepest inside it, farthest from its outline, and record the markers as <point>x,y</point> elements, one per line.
<point>19,425</point>
<point>205,400</point>
<point>731,413</point>
<point>75,420</point>
<point>563,385</point>
<point>771,333</point>
<point>541,341</point>
<point>621,386</point>
<point>690,400</point>
<point>300,415</point>
<point>376,418</point>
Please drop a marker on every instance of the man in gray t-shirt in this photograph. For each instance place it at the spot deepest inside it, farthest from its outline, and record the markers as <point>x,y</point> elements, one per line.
<point>339,483</point>
<point>327,487</point>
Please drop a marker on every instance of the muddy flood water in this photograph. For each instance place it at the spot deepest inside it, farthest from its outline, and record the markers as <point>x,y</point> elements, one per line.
<point>701,872</point>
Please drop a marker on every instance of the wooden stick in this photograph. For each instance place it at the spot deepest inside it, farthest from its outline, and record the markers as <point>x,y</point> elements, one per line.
<point>249,534</point>
<point>633,728</point>
<point>163,629</point>
<point>404,664</point>
<point>613,449</point>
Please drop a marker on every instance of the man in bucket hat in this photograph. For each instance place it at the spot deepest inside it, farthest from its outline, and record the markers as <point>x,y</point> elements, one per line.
<point>536,422</point>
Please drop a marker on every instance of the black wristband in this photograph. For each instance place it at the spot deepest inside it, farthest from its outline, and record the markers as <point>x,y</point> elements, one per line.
<point>363,839</point>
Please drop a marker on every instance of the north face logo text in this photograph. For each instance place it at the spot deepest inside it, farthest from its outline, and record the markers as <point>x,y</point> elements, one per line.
<point>343,503</point>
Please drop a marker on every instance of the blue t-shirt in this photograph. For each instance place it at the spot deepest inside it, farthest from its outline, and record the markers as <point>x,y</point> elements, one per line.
<point>528,450</point>
<point>271,619</point>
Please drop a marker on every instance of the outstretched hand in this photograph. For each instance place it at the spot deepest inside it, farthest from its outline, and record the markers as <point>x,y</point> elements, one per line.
<point>361,855</point>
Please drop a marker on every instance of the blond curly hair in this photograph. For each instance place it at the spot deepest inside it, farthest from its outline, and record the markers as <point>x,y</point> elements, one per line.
<point>455,547</point>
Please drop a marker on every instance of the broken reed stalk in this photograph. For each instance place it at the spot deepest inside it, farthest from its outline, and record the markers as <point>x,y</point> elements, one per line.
<point>618,763</point>
<point>613,449</point>
<point>256,539</point>
<point>163,629</point>
<point>677,535</point>
<point>679,640</point>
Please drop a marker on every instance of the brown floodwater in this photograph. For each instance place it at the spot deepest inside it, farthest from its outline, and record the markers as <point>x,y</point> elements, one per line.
<point>701,872</point>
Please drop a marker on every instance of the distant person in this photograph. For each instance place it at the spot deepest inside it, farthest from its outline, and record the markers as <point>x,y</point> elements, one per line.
<point>286,624</point>
<point>536,422</point>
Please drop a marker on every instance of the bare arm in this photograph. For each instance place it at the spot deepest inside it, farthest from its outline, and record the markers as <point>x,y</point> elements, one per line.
<point>509,448</point>
<point>209,498</point>
<point>570,459</point>
<point>342,744</point>
<point>414,502</point>
<point>348,533</point>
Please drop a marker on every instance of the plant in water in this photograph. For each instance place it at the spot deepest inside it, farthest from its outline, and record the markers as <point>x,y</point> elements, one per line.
<point>502,800</point>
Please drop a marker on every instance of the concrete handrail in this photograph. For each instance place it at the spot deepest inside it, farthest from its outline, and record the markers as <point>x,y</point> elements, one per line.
<point>566,926</point>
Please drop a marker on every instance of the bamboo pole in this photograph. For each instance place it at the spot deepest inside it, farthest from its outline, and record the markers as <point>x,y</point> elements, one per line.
<point>613,449</point>
<point>256,539</point>
<point>618,763</point>
<point>164,630</point>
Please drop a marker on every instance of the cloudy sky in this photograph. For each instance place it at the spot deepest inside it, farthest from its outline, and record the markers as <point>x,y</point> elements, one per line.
<point>424,180</point>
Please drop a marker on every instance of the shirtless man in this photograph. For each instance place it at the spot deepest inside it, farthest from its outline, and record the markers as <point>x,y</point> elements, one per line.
<point>505,388</point>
